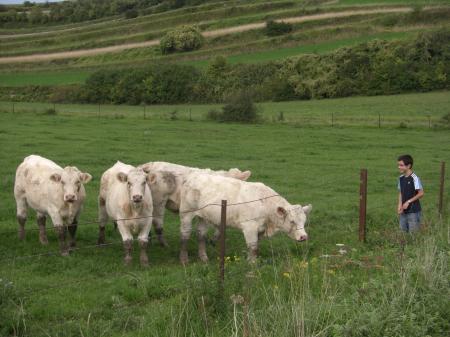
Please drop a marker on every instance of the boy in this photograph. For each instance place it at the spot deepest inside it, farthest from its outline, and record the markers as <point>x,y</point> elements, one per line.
<point>410,191</point>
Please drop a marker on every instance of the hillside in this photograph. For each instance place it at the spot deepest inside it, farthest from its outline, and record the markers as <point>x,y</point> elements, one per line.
<point>67,53</point>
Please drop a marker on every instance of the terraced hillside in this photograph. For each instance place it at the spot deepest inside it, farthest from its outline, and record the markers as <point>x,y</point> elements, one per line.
<point>66,54</point>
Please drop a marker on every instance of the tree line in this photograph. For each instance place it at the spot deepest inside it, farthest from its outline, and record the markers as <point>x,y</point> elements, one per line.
<point>83,10</point>
<point>373,68</point>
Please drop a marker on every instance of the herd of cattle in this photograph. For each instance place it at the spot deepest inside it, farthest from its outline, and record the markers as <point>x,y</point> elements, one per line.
<point>136,197</point>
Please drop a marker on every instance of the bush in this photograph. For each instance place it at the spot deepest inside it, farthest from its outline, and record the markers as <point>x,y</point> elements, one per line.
<point>214,115</point>
<point>240,108</point>
<point>274,28</point>
<point>50,112</point>
<point>184,38</point>
<point>131,14</point>
<point>446,119</point>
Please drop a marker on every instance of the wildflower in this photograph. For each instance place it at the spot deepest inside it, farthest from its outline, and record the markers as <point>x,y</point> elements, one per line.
<point>303,264</point>
<point>331,272</point>
<point>340,244</point>
<point>237,299</point>
<point>275,286</point>
<point>287,275</point>
<point>342,251</point>
<point>314,260</point>
<point>227,258</point>
<point>237,258</point>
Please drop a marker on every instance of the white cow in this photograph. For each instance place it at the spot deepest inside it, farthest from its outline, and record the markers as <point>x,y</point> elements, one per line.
<point>126,197</point>
<point>171,185</point>
<point>270,214</point>
<point>50,190</point>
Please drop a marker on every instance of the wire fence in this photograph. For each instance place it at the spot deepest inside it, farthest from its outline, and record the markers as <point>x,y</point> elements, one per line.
<point>29,293</point>
<point>306,118</point>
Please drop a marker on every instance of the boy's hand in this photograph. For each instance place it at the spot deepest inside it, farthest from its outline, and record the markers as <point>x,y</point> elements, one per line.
<point>400,209</point>
<point>405,205</point>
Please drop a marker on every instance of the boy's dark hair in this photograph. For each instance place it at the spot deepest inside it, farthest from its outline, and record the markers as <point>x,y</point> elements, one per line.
<point>406,159</point>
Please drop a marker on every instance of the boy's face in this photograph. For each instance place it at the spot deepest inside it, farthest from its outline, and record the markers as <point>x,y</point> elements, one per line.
<point>402,167</point>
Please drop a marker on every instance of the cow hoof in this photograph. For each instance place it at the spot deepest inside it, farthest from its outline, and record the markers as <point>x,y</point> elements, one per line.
<point>100,241</point>
<point>127,260</point>
<point>43,241</point>
<point>203,258</point>
<point>184,258</point>
<point>144,262</point>
<point>65,253</point>
<point>22,235</point>
<point>163,244</point>
<point>73,244</point>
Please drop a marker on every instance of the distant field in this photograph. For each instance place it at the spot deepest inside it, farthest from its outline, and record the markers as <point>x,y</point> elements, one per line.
<point>412,109</point>
<point>59,77</point>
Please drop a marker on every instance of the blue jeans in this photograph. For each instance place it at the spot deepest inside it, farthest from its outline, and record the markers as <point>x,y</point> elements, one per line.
<point>410,222</point>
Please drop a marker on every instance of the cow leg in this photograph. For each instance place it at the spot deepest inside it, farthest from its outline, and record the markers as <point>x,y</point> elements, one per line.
<point>186,228</point>
<point>102,220</point>
<point>22,207</point>
<point>60,230</point>
<point>41,219</point>
<point>251,238</point>
<point>127,246</point>
<point>127,240</point>
<point>143,243</point>
<point>202,229</point>
<point>158,221</point>
<point>61,233</point>
<point>72,231</point>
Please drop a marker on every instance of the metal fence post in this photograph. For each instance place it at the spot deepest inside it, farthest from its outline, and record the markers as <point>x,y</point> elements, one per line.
<point>223,223</point>
<point>362,204</point>
<point>441,189</point>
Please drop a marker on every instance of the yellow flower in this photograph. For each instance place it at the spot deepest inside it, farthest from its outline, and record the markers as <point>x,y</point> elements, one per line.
<point>287,275</point>
<point>303,264</point>
<point>227,258</point>
<point>314,260</point>
<point>275,286</point>
<point>331,272</point>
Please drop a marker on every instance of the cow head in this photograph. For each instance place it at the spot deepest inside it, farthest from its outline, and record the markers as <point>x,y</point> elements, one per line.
<point>136,180</point>
<point>71,180</point>
<point>238,174</point>
<point>292,220</point>
<point>161,183</point>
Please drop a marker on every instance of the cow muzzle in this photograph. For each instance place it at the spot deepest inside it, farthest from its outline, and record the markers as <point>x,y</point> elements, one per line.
<point>137,198</point>
<point>70,198</point>
<point>302,238</point>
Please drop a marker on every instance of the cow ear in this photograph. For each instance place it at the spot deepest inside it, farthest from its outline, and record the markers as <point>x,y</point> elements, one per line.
<point>151,178</point>
<point>245,175</point>
<point>85,177</point>
<point>145,168</point>
<point>122,177</point>
<point>307,208</point>
<point>281,211</point>
<point>56,177</point>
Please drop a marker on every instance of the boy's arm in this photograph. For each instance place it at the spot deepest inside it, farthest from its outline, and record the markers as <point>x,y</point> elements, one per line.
<point>399,206</point>
<point>419,195</point>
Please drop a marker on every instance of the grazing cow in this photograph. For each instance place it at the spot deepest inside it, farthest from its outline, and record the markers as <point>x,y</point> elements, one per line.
<point>50,190</point>
<point>265,217</point>
<point>174,177</point>
<point>125,196</point>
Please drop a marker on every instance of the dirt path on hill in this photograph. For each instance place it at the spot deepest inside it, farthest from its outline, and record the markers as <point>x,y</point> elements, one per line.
<point>211,33</point>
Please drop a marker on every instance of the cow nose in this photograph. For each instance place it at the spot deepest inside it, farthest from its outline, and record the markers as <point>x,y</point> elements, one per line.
<point>137,198</point>
<point>70,197</point>
<point>303,238</point>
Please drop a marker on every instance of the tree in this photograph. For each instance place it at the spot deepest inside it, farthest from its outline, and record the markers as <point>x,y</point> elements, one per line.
<point>184,38</point>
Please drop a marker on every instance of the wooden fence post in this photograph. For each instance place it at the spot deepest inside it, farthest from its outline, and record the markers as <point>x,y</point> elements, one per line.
<point>362,204</point>
<point>13,107</point>
<point>98,114</point>
<point>441,189</point>
<point>332,119</point>
<point>379,120</point>
<point>223,224</point>
<point>145,117</point>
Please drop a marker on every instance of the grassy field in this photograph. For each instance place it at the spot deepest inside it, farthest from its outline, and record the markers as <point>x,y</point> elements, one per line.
<point>415,110</point>
<point>393,285</point>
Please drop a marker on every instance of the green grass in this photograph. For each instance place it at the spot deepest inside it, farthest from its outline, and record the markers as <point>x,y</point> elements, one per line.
<point>411,109</point>
<point>43,78</point>
<point>94,294</point>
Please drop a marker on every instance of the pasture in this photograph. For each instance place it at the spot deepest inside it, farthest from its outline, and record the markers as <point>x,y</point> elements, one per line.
<point>392,285</point>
